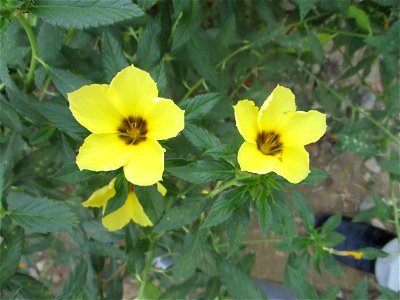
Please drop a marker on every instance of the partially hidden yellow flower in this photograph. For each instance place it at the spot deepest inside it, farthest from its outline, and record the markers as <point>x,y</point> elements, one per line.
<point>355,254</point>
<point>275,135</point>
<point>126,118</point>
<point>131,210</point>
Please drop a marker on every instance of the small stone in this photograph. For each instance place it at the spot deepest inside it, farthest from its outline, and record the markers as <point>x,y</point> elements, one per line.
<point>368,100</point>
<point>372,165</point>
<point>366,203</point>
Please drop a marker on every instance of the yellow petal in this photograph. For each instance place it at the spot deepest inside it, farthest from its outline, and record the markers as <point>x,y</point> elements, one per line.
<point>246,119</point>
<point>102,152</point>
<point>146,163</point>
<point>101,196</point>
<point>280,102</point>
<point>92,108</point>
<point>302,128</point>
<point>294,164</point>
<point>119,218</point>
<point>252,160</point>
<point>132,91</point>
<point>165,120</point>
<point>137,212</point>
<point>161,189</point>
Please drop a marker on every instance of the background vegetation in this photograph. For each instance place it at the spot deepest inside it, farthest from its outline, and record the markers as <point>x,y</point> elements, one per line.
<point>340,57</point>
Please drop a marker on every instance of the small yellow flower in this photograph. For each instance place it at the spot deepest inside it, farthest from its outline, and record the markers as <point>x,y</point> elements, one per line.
<point>131,210</point>
<point>126,119</point>
<point>275,135</point>
<point>355,254</point>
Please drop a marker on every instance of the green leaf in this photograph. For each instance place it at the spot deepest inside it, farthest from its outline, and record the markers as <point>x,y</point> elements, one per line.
<point>303,209</point>
<point>316,176</point>
<point>121,194</point>
<point>380,210</point>
<point>331,224</point>
<point>237,227</point>
<point>316,47</point>
<point>387,294</point>
<point>295,280</point>
<point>200,137</point>
<point>179,291</point>
<point>75,281</point>
<point>148,53</point>
<point>158,73</point>
<point>61,117</point>
<point>182,214</point>
<point>237,282</point>
<point>114,287</point>
<point>198,106</point>
<point>40,214</point>
<point>113,57</point>
<point>152,202</point>
<point>9,117</point>
<point>27,287</point>
<point>71,173</point>
<point>203,171</point>
<point>65,81</point>
<point>361,291</point>
<point>392,165</point>
<point>361,17</point>
<point>263,209</point>
<point>372,253</point>
<point>305,6</point>
<point>331,293</point>
<point>188,22</point>
<point>224,206</point>
<point>95,229</point>
<point>82,14</point>
<point>50,41</point>
<point>10,253</point>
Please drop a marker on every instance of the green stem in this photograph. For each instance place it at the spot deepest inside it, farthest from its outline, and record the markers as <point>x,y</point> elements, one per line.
<point>193,88</point>
<point>363,113</point>
<point>143,283</point>
<point>223,62</point>
<point>222,187</point>
<point>32,39</point>
<point>395,209</point>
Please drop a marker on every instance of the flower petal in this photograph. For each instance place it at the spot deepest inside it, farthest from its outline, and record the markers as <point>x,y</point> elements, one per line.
<point>280,102</point>
<point>92,108</point>
<point>161,189</point>
<point>302,128</point>
<point>146,163</point>
<point>132,91</point>
<point>252,160</point>
<point>165,120</point>
<point>102,152</point>
<point>137,213</point>
<point>101,196</point>
<point>119,218</point>
<point>294,164</point>
<point>246,119</point>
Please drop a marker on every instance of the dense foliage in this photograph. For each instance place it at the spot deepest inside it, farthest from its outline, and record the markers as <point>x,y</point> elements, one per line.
<point>340,57</point>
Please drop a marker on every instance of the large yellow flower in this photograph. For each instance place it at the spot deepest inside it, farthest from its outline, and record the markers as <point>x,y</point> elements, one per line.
<point>126,119</point>
<point>275,135</point>
<point>131,210</point>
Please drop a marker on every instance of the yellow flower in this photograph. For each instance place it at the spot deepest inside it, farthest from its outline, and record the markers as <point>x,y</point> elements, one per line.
<point>126,119</point>
<point>275,135</point>
<point>131,210</point>
<point>355,254</point>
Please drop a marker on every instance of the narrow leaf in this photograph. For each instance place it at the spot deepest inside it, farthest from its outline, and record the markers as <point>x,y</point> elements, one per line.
<point>200,105</point>
<point>113,57</point>
<point>10,253</point>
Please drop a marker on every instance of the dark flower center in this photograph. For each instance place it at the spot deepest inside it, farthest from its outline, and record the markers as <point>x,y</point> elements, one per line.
<point>269,143</point>
<point>133,130</point>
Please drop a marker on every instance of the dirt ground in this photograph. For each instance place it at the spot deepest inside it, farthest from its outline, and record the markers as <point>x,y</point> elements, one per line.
<point>347,190</point>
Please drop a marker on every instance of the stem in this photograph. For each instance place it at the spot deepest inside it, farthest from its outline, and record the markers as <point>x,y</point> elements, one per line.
<point>193,88</point>
<point>395,210</point>
<point>152,250</point>
<point>223,62</point>
<point>32,39</point>
<point>222,187</point>
<point>363,113</point>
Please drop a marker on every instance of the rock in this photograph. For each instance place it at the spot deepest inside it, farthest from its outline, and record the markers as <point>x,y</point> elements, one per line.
<point>366,203</point>
<point>372,165</point>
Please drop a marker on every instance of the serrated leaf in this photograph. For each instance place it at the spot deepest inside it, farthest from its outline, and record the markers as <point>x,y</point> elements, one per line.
<point>204,171</point>
<point>65,81</point>
<point>113,57</point>
<point>295,280</point>
<point>316,47</point>
<point>10,253</point>
<point>9,117</point>
<point>331,224</point>
<point>74,282</point>
<point>159,75</point>
<point>316,176</point>
<point>237,227</point>
<point>182,214</point>
<point>27,287</point>
<point>71,173</point>
<point>264,210</point>
<point>303,209</point>
<point>50,41</point>
<point>238,283</point>
<point>148,53</point>
<point>224,206</point>
<point>305,7</point>
<point>152,202</point>
<point>200,137</point>
<point>40,214</point>
<point>200,105</point>
<point>82,14</point>
<point>361,17</point>
<point>121,194</point>
<point>361,291</point>
<point>372,253</point>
